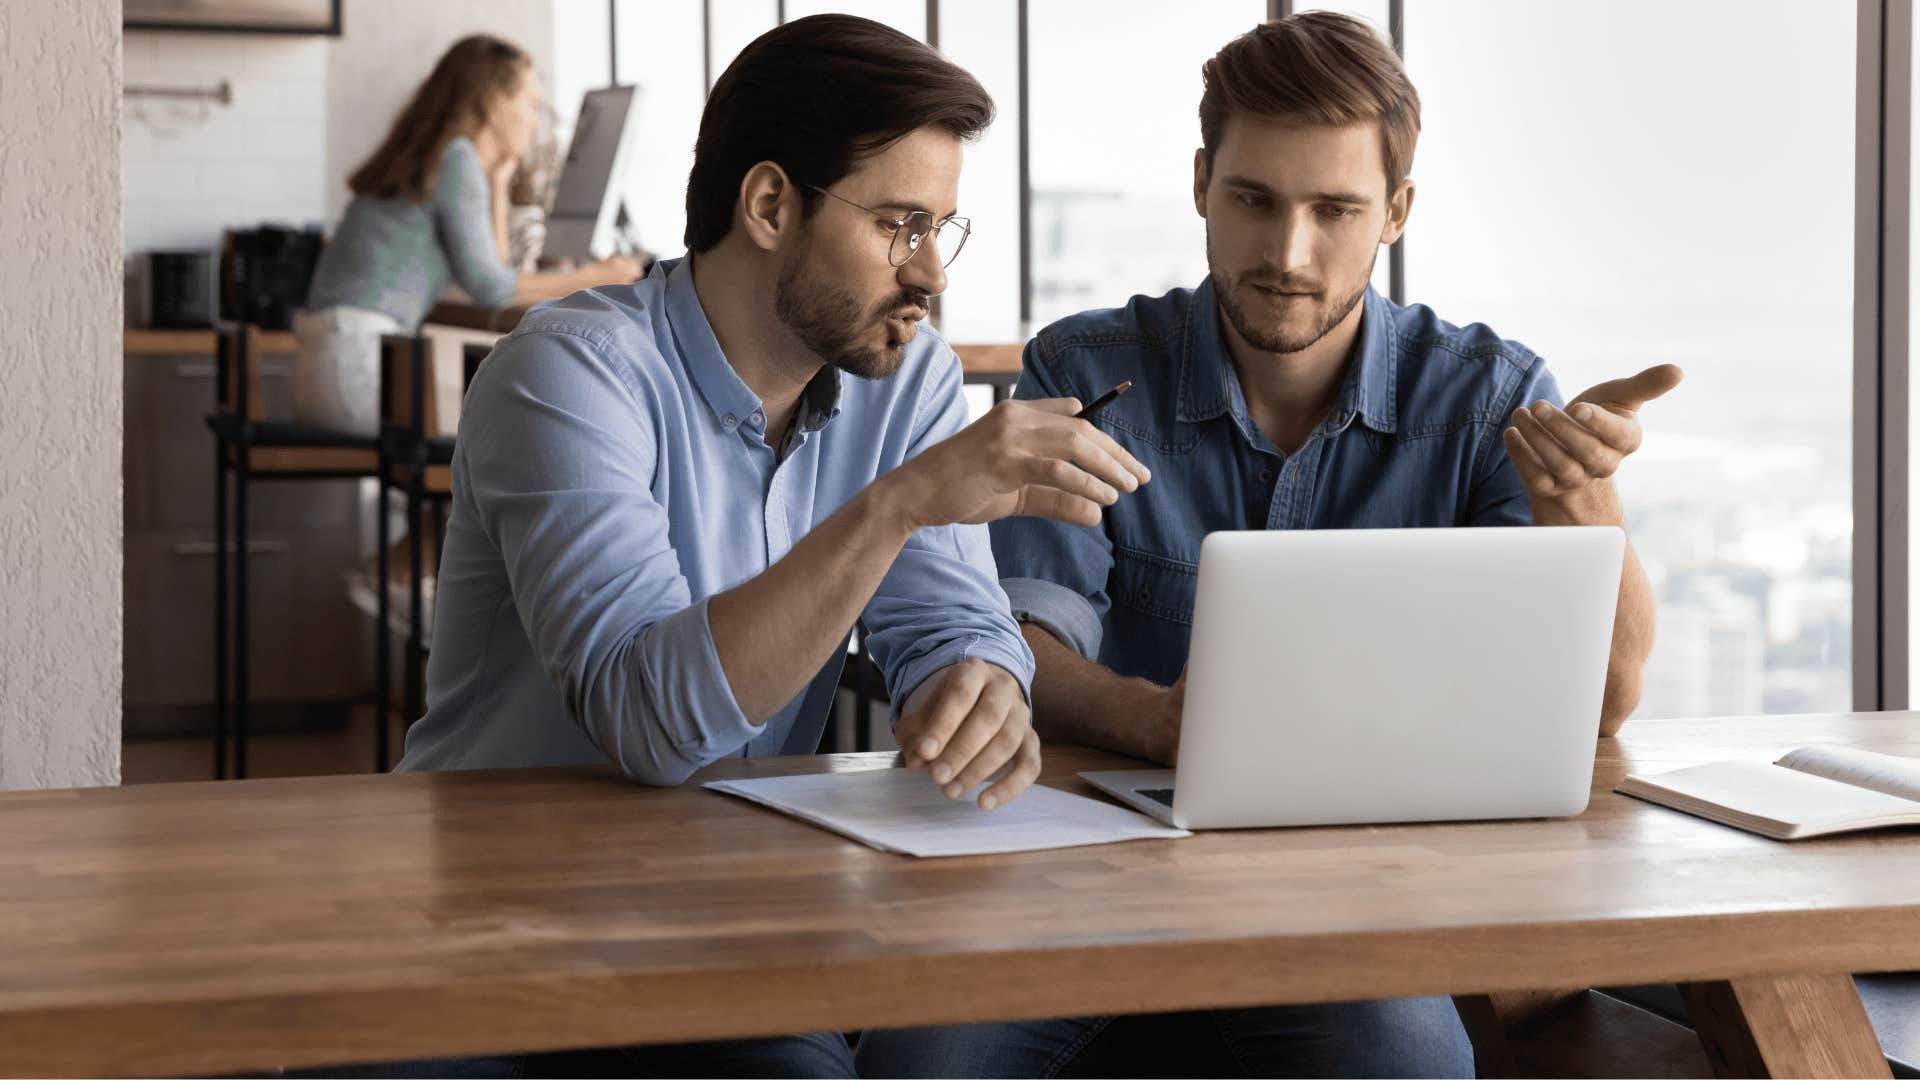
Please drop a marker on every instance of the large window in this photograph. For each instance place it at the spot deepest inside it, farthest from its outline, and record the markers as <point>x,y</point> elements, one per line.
<point>907,16</point>
<point>652,44</point>
<point>1615,198</point>
<point>580,36</point>
<point>1610,195</point>
<point>1114,127</point>
<point>982,302</point>
<point>731,24</point>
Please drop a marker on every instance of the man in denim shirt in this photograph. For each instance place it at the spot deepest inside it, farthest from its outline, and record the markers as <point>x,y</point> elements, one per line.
<point>672,499</point>
<point>1283,393</point>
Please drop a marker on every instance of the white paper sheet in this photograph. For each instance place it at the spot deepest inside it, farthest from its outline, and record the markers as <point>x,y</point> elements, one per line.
<point>903,810</point>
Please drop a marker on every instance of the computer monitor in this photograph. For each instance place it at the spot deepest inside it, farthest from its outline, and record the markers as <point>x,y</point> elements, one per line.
<point>589,219</point>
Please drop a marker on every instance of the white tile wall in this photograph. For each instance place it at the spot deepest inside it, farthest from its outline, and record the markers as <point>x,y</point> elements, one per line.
<point>193,170</point>
<point>271,156</point>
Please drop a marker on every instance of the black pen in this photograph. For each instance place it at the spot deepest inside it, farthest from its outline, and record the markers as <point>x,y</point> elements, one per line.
<point>1102,401</point>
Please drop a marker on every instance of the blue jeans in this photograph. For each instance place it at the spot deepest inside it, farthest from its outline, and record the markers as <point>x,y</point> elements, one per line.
<point>820,1055</point>
<point>1407,1037</point>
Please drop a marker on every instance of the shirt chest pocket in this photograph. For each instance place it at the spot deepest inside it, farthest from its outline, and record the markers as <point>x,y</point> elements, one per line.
<point>1153,585</point>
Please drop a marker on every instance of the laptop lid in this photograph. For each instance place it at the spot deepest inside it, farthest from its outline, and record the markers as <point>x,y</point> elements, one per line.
<point>1351,676</point>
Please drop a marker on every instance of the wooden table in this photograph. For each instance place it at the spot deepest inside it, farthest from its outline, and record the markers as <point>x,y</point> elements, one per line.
<point>981,362</point>
<point>996,364</point>
<point>209,927</point>
<point>146,341</point>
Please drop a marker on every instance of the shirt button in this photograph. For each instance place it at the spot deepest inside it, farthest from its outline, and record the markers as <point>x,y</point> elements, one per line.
<point>730,420</point>
<point>1266,476</point>
<point>1145,595</point>
<point>759,417</point>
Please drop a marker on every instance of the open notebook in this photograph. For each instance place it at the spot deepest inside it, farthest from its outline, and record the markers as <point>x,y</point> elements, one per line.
<point>1812,791</point>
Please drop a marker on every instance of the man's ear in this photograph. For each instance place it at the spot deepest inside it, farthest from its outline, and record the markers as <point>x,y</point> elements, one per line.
<point>1399,206</point>
<point>769,206</point>
<point>1200,178</point>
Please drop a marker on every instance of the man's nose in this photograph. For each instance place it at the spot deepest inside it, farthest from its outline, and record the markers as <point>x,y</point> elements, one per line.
<point>1293,250</point>
<point>924,271</point>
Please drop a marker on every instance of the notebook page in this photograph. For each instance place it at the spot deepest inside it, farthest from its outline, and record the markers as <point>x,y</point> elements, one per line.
<point>902,810</point>
<point>1796,802</point>
<point>1886,773</point>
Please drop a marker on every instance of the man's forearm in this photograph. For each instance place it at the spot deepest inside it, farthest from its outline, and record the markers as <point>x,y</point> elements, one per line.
<point>1076,700</point>
<point>1633,614</point>
<point>1632,644</point>
<point>774,631</point>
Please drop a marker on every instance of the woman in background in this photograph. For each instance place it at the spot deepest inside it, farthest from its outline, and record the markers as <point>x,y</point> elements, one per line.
<point>429,208</point>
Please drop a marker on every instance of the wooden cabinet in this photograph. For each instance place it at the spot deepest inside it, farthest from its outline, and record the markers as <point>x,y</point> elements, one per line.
<point>311,649</point>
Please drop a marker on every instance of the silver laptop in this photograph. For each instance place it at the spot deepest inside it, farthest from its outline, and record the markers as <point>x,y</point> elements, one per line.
<point>1350,676</point>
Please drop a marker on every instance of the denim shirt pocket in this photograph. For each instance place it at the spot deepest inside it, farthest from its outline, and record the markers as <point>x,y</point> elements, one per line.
<point>1153,584</point>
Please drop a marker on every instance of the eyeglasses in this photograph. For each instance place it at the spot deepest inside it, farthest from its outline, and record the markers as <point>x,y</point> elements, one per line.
<point>910,232</point>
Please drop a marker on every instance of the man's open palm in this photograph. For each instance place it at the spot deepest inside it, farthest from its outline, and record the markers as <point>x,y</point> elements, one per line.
<point>1560,452</point>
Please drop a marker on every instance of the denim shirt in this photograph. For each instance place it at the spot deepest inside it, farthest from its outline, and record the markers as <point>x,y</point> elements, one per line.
<point>1413,441</point>
<point>611,476</point>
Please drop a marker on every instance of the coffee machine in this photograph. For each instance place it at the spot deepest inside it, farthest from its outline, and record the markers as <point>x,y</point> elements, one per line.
<point>265,272</point>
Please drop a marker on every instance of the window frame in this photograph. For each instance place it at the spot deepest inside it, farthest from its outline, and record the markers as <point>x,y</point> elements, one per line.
<point>1882,447</point>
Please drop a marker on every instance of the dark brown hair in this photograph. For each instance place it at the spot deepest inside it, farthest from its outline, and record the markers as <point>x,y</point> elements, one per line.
<point>467,82</point>
<point>815,96</point>
<point>1317,67</point>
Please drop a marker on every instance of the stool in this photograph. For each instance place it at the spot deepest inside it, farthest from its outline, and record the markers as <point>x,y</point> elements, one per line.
<point>249,447</point>
<point>416,457</point>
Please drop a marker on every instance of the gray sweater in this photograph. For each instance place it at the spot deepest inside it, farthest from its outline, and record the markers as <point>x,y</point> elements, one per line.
<point>396,256</point>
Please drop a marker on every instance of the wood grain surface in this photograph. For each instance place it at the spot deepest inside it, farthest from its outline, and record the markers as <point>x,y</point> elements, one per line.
<point>982,359</point>
<point>143,341</point>
<point>208,927</point>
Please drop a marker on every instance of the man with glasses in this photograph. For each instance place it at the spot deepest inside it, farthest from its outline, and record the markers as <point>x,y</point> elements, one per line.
<point>671,503</point>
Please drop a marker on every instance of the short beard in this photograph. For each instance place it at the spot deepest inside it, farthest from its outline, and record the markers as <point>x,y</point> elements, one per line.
<point>827,320</point>
<point>1274,339</point>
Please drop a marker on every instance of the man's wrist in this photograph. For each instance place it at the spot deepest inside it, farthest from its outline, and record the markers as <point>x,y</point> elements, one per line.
<point>1158,725</point>
<point>888,505</point>
<point>1595,503</point>
<point>1131,725</point>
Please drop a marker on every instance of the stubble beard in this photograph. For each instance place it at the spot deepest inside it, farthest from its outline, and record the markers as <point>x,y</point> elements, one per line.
<point>1274,338</point>
<point>826,318</point>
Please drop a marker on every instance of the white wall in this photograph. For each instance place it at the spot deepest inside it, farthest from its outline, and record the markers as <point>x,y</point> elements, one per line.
<point>193,169</point>
<point>389,48</point>
<point>581,59</point>
<point>305,112</point>
<point>60,413</point>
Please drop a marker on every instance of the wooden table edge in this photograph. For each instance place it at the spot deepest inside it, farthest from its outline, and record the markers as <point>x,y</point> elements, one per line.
<point>416,1019</point>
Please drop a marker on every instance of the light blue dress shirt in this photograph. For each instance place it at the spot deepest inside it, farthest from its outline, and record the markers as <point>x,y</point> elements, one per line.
<point>611,476</point>
<point>1413,441</point>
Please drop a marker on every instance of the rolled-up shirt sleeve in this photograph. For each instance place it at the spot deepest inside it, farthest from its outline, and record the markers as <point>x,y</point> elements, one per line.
<point>557,462</point>
<point>941,602</point>
<point>1499,496</point>
<point>1055,574</point>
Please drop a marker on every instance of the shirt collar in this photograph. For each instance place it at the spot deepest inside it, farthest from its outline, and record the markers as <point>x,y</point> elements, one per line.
<point>1373,383</point>
<point>1204,364</point>
<point>1209,386</point>
<point>820,401</point>
<point>733,402</point>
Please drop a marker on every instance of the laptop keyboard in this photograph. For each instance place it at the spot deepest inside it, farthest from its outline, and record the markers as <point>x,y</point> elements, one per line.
<point>1161,795</point>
